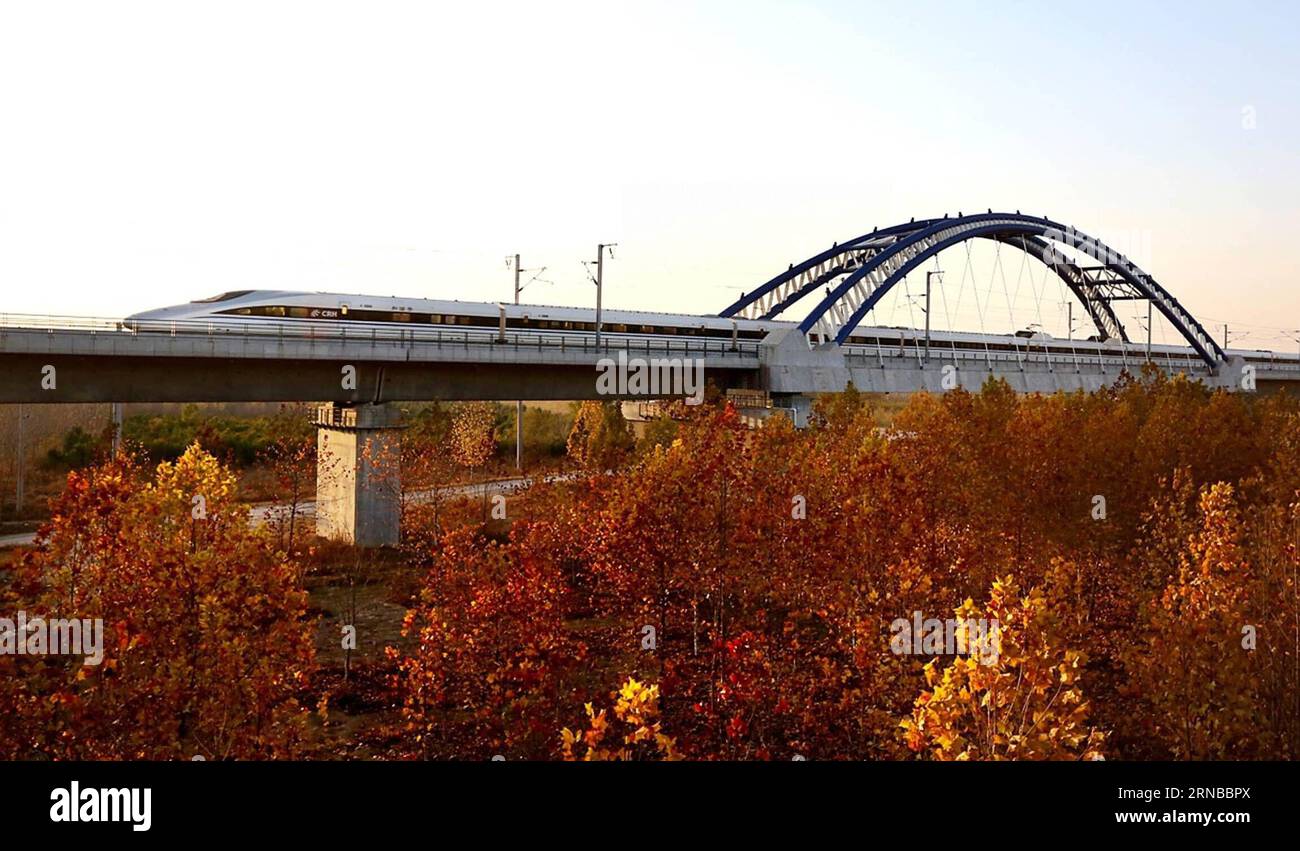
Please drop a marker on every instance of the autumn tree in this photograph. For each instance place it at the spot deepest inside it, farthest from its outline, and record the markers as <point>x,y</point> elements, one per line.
<point>633,734</point>
<point>601,439</point>
<point>292,459</point>
<point>659,433</point>
<point>206,641</point>
<point>1026,703</point>
<point>488,674</point>
<point>1194,664</point>
<point>473,439</point>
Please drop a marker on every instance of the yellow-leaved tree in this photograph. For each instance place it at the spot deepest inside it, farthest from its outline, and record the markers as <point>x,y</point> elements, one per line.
<point>1194,664</point>
<point>636,734</point>
<point>1023,700</point>
<point>601,439</point>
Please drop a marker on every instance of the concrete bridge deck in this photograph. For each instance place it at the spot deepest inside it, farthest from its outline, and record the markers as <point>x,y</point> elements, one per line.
<point>95,362</point>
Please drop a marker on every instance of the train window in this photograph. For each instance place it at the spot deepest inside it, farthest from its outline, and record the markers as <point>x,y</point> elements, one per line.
<point>272,311</point>
<point>435,318</point>
<point>401,317</point>
<point>449,319</point>
<point>299,312</point>
<point>343,309</point>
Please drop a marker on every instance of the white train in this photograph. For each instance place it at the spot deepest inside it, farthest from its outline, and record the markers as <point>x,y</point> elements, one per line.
<point>242,309</point>
<point>245,311</point>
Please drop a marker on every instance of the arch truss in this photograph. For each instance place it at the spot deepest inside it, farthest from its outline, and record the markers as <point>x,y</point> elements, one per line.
<point>855,275</point>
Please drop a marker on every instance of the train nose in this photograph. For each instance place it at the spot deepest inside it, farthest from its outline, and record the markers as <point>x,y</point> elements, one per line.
<point>161,319</point>
<point>161,313</point>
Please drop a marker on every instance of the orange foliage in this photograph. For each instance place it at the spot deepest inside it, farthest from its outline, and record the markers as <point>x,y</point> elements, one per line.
<point>768,564</point>
<point>1139,547</point>
<point>205,642</point>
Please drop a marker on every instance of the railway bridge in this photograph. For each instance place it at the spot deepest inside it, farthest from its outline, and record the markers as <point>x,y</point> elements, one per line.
<point>355,371</point>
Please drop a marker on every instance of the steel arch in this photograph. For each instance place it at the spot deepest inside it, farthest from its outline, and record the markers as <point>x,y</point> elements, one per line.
<point>872,264</point>
<point>773,297</point>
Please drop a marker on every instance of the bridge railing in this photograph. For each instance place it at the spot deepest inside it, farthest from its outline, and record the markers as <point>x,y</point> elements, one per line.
<point>55,322</point>
<point>1131,358</point>
<point>1006,361</point>
<point>308,331</point>
<point>1128,356</point>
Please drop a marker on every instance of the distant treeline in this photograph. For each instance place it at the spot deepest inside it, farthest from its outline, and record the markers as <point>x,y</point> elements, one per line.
<point>243,440</point>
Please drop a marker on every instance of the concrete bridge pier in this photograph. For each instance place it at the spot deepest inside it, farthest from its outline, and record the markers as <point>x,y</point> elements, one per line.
<point>358,474</point>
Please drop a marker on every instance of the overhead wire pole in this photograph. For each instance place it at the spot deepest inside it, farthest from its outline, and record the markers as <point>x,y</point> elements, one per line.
<point>519,405</point>
<point>1148,330</point>
<point>1069,332</point>
<point>928,275</point>
<point>599,279</point>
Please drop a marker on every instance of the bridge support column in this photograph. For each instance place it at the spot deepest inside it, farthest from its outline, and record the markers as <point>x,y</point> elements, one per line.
<point>358,471</point>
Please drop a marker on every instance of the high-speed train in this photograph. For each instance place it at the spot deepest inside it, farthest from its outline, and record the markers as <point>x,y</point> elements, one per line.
<point>272,311</point>
<point>253,309</point>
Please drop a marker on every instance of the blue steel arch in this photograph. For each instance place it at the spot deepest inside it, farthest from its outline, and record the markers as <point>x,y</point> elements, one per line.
<point>869,266</point>
<point>813,272</point>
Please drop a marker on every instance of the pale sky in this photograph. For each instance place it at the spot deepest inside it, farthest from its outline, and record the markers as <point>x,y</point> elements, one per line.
<point>152,153</point>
